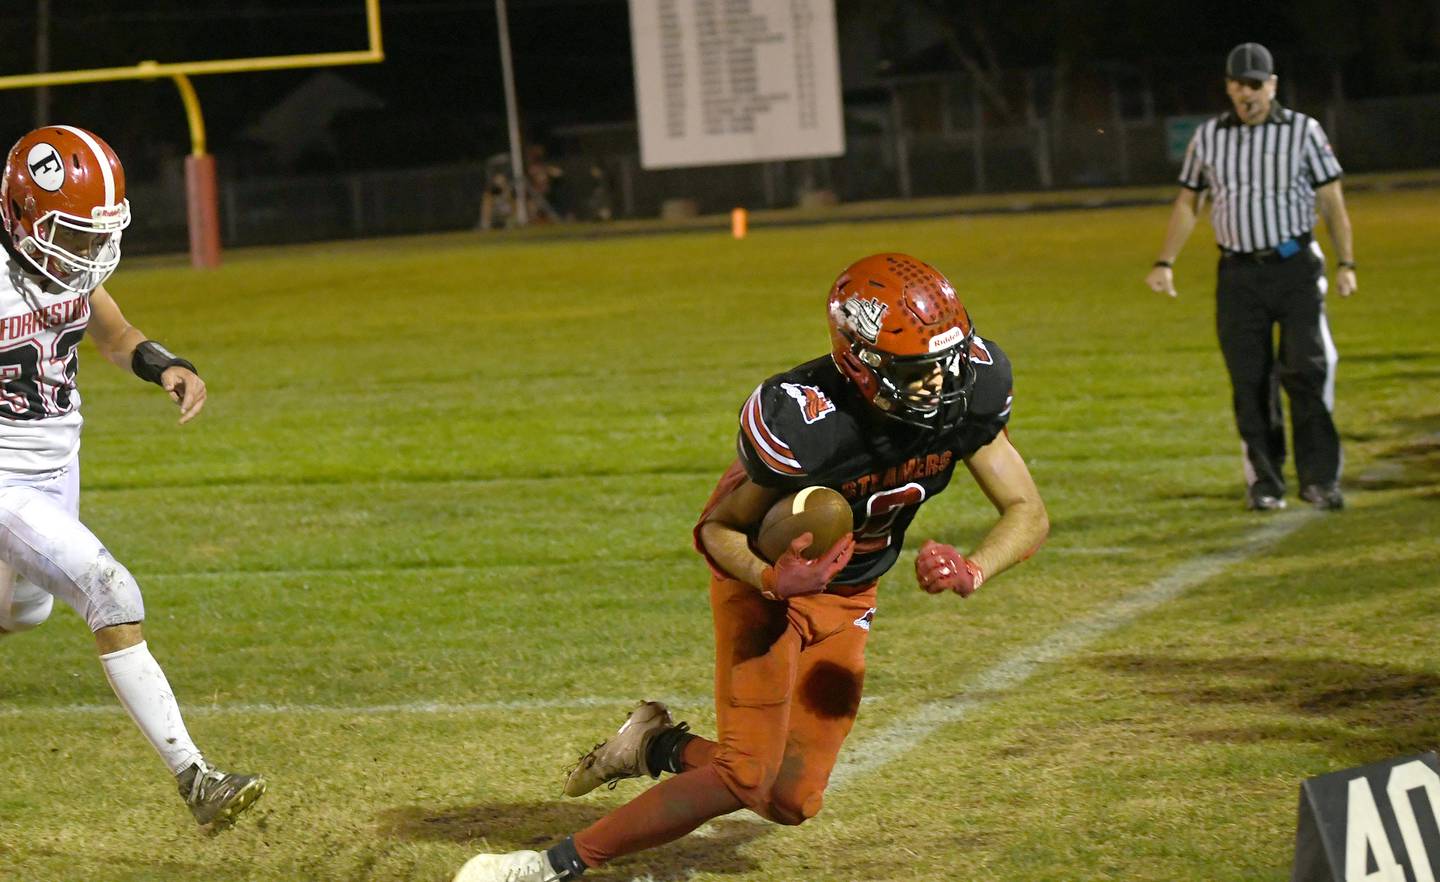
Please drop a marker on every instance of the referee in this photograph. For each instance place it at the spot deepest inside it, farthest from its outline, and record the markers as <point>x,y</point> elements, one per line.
<point>1267,168</point>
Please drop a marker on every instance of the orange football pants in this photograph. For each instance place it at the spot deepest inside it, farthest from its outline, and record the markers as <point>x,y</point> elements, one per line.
<point>788,678</point>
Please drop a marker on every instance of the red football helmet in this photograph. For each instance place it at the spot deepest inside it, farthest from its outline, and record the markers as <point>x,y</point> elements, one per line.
<point>903,338</point>
<point>62,202</point>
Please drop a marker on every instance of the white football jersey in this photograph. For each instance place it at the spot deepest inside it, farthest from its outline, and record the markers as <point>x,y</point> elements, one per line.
<point>39,404</point>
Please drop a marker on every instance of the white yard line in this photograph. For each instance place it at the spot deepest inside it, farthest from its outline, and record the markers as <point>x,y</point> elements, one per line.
<point>891,741</point>
<point>414,708</point>
<point>906,733</point>
<point>858,759</point>
<point>621,704</point>
<point>864,755</point>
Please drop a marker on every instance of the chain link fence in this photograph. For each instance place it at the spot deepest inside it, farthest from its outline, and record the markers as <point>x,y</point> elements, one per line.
<point>1369,135</point>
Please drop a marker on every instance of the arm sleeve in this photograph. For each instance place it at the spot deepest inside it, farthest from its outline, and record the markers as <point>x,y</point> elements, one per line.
<point>1320,159</point>
<point>1192,172</point>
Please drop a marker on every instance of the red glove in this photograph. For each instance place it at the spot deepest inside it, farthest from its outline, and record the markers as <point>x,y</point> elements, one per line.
<point>793,576</point>
<point>940,567</point>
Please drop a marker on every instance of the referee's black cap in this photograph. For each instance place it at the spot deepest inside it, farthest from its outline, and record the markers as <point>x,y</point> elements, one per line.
<point>1249,61</point>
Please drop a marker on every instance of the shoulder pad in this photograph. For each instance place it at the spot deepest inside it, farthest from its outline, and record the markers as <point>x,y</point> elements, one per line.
<point>782,429</point>
<point>993,380</point>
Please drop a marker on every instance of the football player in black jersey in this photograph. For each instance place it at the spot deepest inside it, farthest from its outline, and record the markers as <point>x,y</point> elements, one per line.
<point>907,391</point>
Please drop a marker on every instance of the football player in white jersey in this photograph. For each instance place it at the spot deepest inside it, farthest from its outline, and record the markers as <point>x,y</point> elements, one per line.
<point>63,208</point>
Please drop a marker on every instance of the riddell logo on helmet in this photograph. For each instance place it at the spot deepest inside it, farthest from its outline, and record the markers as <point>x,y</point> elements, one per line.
<point>946,339</point>
<point>47,169</point>
<point>108,213</point>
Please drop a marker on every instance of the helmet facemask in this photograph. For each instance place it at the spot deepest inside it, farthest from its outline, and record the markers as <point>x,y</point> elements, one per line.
<point>76,253</point>
<point>905,387</point>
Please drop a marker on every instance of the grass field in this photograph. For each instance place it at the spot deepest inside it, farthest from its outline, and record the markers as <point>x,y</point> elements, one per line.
<point>431,537</point>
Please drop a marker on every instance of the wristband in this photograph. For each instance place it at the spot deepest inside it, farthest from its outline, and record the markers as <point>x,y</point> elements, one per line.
<point>151,359</point>
<point>1168,264</point>
<point>1346,264</point>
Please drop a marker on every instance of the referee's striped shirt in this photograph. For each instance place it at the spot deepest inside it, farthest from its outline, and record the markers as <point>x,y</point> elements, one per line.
<point>1262,178</point>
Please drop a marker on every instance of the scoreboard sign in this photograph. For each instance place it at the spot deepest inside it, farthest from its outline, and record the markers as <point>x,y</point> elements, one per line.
<point>1375,823</point>
<point>731,81</point>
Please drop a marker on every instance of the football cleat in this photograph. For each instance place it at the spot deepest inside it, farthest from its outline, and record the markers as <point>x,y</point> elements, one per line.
<point>1324,497</point>
<point>517,866</point>
<point>624,755</point>
<point>216,797</point>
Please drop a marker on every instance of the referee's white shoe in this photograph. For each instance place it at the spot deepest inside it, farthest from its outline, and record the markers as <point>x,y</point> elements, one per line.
<point>1260,501</point>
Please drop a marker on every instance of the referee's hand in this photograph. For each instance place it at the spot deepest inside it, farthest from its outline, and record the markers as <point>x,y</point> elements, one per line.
<point>1345,282</point>
<point>1161,280</point>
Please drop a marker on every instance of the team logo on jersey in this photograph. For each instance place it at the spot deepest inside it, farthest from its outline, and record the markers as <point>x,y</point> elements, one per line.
<point>865,621</point>
<point>814,404</point>
<point>865,316</point>
<point>47,169</point>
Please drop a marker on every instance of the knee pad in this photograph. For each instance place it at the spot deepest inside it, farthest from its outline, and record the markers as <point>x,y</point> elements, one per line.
<point>747,778</point>
<point>29,606</point>
<point>793,809</point>
<point>113,594</point>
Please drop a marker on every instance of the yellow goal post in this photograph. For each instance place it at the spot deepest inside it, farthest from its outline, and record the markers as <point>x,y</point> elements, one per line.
<point>201,194</point>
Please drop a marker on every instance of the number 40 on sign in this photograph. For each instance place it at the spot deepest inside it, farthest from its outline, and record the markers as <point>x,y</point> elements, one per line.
<point>1375,823</point>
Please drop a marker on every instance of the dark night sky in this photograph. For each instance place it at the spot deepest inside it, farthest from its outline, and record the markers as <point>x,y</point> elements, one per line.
<point>441,79</point>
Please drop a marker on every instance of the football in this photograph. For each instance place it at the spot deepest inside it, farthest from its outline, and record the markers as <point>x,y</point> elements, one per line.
<point>817,510</point>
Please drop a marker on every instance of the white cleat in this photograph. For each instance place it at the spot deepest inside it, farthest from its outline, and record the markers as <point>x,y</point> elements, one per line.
<point>517,866</point>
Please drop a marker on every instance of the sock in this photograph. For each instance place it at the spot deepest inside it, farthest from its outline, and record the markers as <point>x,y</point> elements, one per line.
<point>565,860</point>
<point>696,752</point>
<point>665,750</point>
<point>143,690</point>
<point>661,814</point>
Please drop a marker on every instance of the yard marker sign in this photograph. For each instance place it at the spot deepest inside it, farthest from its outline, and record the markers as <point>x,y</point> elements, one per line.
<point>1375,823</point>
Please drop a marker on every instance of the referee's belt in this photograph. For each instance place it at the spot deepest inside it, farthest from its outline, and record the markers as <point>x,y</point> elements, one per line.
<point>1279,254</point>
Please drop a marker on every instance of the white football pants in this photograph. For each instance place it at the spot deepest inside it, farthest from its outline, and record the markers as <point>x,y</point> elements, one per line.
<point>45,552</point>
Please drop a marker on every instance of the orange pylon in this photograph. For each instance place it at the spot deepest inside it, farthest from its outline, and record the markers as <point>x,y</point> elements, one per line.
<point>739,222</point>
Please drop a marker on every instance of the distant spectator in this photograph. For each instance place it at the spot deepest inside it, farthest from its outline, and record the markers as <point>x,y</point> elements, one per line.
<point>497,203</point>
<point>599,204</point>
<point>540,177</point>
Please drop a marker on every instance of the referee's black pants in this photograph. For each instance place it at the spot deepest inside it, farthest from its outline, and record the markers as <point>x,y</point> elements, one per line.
<point>1251,299</point>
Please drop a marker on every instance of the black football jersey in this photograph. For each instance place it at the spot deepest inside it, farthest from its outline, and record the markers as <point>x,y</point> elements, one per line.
<point>809,426</point>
